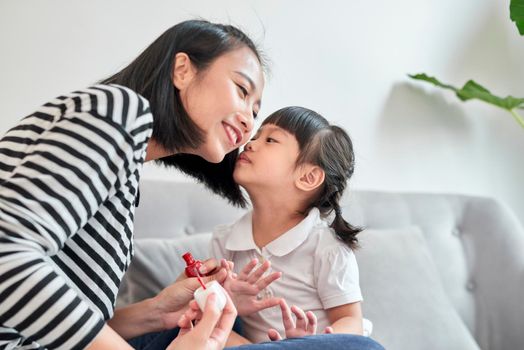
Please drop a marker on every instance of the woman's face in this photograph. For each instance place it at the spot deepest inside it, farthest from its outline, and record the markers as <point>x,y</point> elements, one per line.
<point>223,101</point>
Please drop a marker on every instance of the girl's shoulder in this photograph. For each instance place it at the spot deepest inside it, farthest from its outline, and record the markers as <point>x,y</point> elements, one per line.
<point>327,241</point>
<point>224,230</point>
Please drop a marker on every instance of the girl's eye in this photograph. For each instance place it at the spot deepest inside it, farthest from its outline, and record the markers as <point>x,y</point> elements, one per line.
<point>270,139</point>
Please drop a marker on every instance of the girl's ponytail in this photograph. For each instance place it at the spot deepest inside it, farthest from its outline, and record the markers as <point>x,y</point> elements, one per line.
<point>344,230</point>
<point>329,203</point>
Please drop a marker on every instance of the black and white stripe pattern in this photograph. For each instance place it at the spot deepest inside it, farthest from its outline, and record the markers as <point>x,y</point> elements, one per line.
<point>68,181</point>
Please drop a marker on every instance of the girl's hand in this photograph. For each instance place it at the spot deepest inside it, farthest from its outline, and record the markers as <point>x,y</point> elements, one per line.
<point>211,331</point>
<point>306,323</point>
<point>245,287</point>
<point>173,300</point>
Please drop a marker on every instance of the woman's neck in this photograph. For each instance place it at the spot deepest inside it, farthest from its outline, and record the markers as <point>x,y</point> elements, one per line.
<point>155,151</point>
<point>271,220</point>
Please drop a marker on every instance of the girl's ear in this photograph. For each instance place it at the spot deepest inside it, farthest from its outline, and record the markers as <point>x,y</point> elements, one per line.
<point>183,71</point>
<point>310,177</point>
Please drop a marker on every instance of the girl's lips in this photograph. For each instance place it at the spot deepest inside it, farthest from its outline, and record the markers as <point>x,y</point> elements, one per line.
<point>233,134</point>
<point>243,158</point>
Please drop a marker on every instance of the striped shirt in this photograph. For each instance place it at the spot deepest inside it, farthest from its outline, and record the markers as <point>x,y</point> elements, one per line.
<point>68,181</point>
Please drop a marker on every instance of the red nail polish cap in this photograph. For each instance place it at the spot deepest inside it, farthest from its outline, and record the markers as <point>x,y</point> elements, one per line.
<point>192,265</point>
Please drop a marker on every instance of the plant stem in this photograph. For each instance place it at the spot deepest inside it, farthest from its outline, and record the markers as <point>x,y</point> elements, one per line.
<point>517,117</point>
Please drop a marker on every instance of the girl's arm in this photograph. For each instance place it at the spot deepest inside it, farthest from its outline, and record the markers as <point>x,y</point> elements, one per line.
<point>346,318</point>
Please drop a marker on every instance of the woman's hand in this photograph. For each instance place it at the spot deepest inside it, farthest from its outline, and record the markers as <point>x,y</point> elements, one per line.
<point>245,287</point>
<point>211,331</point>
<point>306,323</point>
<point>173,300</point>
<point>208,268</point>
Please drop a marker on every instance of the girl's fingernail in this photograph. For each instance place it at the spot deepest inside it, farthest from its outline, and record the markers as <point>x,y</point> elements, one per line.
<point>202,269</point>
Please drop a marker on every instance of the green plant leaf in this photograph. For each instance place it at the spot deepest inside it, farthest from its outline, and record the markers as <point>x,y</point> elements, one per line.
<point>516,13</point>
<point>433,80</point>
<point>472,90</point>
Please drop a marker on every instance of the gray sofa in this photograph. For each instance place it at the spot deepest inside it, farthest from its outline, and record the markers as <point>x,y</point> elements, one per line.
<point>437,271</point>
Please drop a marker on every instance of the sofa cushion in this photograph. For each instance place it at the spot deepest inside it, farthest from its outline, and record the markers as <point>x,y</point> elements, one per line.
<point>414,312</point>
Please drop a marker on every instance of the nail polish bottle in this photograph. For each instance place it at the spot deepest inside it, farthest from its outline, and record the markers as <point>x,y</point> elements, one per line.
<point>202,293</point>
<point>192,265</point>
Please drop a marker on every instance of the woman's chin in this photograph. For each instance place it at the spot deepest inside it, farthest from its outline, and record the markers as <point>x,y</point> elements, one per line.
<point>214,159</point>
<point>215,155</point>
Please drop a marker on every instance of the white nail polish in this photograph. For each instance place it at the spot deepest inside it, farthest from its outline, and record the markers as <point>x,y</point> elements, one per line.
<point>211,287</point>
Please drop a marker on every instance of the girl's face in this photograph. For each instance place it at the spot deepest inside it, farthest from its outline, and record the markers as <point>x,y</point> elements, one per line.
<point>268,160</point>
<point>223,101</point>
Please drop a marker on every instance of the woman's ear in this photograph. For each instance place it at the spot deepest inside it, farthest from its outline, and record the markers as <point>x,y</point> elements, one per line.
<point>310,177</point>
<point>183,71</point>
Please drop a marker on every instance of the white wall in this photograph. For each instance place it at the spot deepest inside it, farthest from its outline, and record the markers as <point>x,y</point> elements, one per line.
<point>345,59</point>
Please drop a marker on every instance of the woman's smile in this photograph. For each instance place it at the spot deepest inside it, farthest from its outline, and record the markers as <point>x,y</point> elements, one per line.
<point>234,135</point>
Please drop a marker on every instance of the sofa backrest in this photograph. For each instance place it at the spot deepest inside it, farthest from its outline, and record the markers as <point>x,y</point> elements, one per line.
<point>476,243</point>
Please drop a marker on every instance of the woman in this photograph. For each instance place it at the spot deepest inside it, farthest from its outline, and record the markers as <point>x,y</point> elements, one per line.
<point>70,173</point>
<point>70,176</point>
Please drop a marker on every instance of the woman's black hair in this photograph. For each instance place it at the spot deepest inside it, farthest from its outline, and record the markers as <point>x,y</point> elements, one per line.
<point>150,75</point>
<point>330,148</point>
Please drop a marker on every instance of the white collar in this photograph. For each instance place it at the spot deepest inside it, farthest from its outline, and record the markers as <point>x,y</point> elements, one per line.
<point>241,237</point>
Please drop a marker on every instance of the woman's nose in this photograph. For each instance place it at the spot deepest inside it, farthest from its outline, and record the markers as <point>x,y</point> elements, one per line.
<point>247,122</point>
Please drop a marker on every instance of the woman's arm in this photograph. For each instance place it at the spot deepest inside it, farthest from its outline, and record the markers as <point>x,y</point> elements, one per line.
<point>236,339</point>
<point>140,318</point>
<point>108,339</point>
<point>346,318</point>
<point>164,310</point>
<point>62,167</point>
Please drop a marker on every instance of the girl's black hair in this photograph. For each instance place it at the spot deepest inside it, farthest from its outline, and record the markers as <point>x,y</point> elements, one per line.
<point>329,147</point>
<point>150,75</point>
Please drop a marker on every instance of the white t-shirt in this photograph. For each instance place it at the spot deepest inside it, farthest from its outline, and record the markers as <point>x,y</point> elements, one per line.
<point>318,270</point>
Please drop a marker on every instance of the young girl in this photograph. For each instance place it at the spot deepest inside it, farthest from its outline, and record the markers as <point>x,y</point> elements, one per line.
<point>295,170</point>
